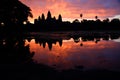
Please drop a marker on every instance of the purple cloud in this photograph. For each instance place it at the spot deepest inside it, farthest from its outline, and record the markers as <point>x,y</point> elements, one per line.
<point>72,8</point>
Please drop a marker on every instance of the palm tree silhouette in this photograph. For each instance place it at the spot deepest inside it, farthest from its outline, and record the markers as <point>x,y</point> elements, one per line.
<point>81,15</point>
<point>96,17</point>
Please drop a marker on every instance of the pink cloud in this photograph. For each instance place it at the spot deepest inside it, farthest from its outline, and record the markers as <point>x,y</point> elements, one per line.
<point>72,8</point>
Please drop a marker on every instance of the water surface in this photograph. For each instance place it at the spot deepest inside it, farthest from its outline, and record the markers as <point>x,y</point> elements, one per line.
<point>70,50</point>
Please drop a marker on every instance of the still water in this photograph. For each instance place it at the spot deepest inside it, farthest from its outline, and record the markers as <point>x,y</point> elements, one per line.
<point>70,50</point>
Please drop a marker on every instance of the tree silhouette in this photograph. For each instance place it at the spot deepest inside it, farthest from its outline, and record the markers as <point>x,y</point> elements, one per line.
<point>106,20</point>
<point>81,15</point>
<point>14,12</point>
<point>96,17</point>
<point>115,20</point>
<point>76,21</point>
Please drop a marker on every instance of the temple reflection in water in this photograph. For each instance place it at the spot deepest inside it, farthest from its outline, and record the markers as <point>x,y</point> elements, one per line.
<point>49,39</point>
<point>66,50</point>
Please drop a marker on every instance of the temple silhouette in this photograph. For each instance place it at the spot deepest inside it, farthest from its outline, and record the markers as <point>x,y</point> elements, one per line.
<point>14,17</point>
<point>56,24</point>
<point>16,59</point>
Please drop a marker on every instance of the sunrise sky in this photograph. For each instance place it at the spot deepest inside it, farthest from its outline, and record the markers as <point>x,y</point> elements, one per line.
<point>71,9</point>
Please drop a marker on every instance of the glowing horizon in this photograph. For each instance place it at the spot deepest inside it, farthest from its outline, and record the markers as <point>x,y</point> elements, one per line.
<point>71,9</point>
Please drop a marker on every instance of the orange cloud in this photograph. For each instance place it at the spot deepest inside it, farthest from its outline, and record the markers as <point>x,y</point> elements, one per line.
<point>71,54</point>
<point>72,8</point>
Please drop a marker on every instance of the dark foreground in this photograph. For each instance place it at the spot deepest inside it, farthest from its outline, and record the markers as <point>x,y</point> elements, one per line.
<point>42,72</point>
<point>16,64</point>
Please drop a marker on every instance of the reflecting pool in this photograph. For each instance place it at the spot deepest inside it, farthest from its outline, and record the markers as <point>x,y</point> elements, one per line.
<point>72,50</point>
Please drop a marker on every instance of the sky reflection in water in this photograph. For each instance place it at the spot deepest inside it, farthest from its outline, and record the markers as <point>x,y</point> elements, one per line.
<point>101,55</point>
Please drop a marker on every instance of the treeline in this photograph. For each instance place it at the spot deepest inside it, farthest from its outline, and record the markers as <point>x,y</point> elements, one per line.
<point>56,24</point>
<point>14,17</point>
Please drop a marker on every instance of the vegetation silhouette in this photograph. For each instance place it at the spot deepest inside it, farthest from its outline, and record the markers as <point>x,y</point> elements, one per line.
<point>17,13</point>
<point>13,12</point>
<point>56,24</point>
<point>81,15</point>
<point>16,59</point>
<point>13,16</point>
